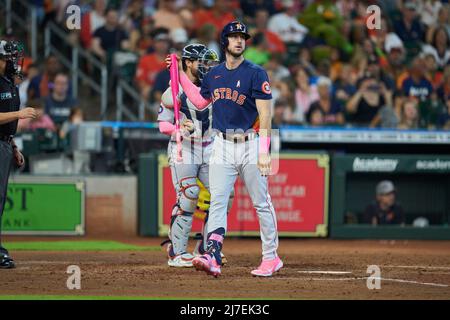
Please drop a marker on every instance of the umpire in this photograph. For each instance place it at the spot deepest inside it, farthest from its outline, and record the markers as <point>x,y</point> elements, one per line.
<point>9,116</point>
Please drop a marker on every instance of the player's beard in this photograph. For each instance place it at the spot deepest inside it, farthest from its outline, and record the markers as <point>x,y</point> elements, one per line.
<point>234,54</point>
<point>195,73</point>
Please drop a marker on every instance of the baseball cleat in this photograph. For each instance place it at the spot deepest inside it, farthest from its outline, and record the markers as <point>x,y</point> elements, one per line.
<point>183,260</point>
<point>198,252</point>
<point>268,267</point>
<point>208,264</point>
<point>6,262</point>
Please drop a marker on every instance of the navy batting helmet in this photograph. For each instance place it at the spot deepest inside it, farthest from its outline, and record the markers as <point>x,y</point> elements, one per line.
<point>230,28</point>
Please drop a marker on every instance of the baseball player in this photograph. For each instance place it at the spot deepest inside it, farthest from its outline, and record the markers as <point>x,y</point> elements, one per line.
<point>9,116</point>
<point>240,95</point>
<point>196,149</point>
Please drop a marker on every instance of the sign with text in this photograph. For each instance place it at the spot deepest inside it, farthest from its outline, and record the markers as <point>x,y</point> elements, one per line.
<point>44,209</point>
<point>299,193</point>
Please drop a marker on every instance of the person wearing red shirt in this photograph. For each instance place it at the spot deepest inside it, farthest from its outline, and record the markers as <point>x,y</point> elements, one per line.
<point>151,64</point>
<point>219,15</point>
<point>274,42</point>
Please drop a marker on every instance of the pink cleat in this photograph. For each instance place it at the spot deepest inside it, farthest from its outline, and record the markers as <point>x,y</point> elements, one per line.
<point>208,264</point>
<point>268,267</point>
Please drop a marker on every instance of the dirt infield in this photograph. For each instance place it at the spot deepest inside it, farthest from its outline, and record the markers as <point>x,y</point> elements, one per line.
<point>409,270</point>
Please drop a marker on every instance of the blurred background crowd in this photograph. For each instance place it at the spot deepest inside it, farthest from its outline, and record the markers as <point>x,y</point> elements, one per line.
<point>326,67</point>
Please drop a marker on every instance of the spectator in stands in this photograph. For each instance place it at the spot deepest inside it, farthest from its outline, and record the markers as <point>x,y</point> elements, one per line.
<point>42,120</point>
<point>258,52</point>
<point>409,114</point>
<point>409,28</point>
<point>429,11</point>
<point>279,71</point>
<point>59,103</point>
<point>273,41</point>
<point>286,25</point>
<point>430,111</point>
<point>444,89</point>
<point>396,57</point>
<point>151,64</point>
<point>304,95</point>
<point>278,114</point>
<point>91,21</point>
<point>364,105</point>
<point>145,41</point>
<point>315,117</point>
<point>167,16</point>
<point>444,118</point>
<point>385,209</point>
<point>179,39</point>
<point>109,38</point>
<point>416,84</point>
<point>75,118</point>
<point>443,21</point>
<point>345,84</point>
<point>432,73</point>
<point>330,107</point>
<point>218,15</point>
<point>251,8</point>
<point>280,89</point>
<point>41,84</point>
<point>207,35</point>
<point>30,73</point>
<point>439,48</point>
<point>131,15</point>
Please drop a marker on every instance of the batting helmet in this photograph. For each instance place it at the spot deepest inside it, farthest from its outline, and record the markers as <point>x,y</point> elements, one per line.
<point>230,28</point>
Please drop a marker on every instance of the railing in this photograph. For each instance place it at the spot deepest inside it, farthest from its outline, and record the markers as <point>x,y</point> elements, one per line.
<point>25,19</point>
<point>122,109</point>
<point>52,30</point>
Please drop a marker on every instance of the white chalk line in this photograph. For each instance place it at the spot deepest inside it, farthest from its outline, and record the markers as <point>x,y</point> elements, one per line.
<point>419,267</point>
<point>383,279</point>
<point>325,272</point>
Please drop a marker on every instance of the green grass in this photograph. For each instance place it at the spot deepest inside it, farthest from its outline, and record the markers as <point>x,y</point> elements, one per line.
<point>66,297</point>
<point>76,245</point>
<point>74,297</point>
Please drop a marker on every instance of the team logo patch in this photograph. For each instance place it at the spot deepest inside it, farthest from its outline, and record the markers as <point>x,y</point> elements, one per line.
<point>266,87</point>
<point>5,95</point>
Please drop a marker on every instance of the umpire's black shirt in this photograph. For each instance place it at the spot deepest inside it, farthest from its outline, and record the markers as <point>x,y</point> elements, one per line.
<point>9,102</point>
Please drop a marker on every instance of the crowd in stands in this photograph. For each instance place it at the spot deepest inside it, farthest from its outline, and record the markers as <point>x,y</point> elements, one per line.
<point>326,67</point>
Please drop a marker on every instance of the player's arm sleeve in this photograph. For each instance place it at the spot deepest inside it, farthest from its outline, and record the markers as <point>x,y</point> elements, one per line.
<point>166,98</point>
<point>166,128</point>
<point>166,114</point>
<point>261,86</point>
<point>193,93</point>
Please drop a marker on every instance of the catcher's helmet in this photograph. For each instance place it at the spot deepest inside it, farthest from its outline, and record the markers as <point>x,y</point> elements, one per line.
<point>233,27</point>
<point>208,58</point>
<point>192,51</point>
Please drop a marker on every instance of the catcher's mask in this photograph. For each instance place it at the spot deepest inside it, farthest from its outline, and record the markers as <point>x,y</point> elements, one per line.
<point>12,53</point>
<point>208,58</point>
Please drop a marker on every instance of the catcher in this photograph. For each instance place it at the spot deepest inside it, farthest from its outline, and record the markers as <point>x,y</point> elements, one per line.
<point>190,175</point>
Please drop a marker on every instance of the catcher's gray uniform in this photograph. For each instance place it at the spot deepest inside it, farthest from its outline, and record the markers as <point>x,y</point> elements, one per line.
<point>196,150</point>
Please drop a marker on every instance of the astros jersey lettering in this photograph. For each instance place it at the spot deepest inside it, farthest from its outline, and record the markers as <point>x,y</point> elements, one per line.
<point>233,93</point>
